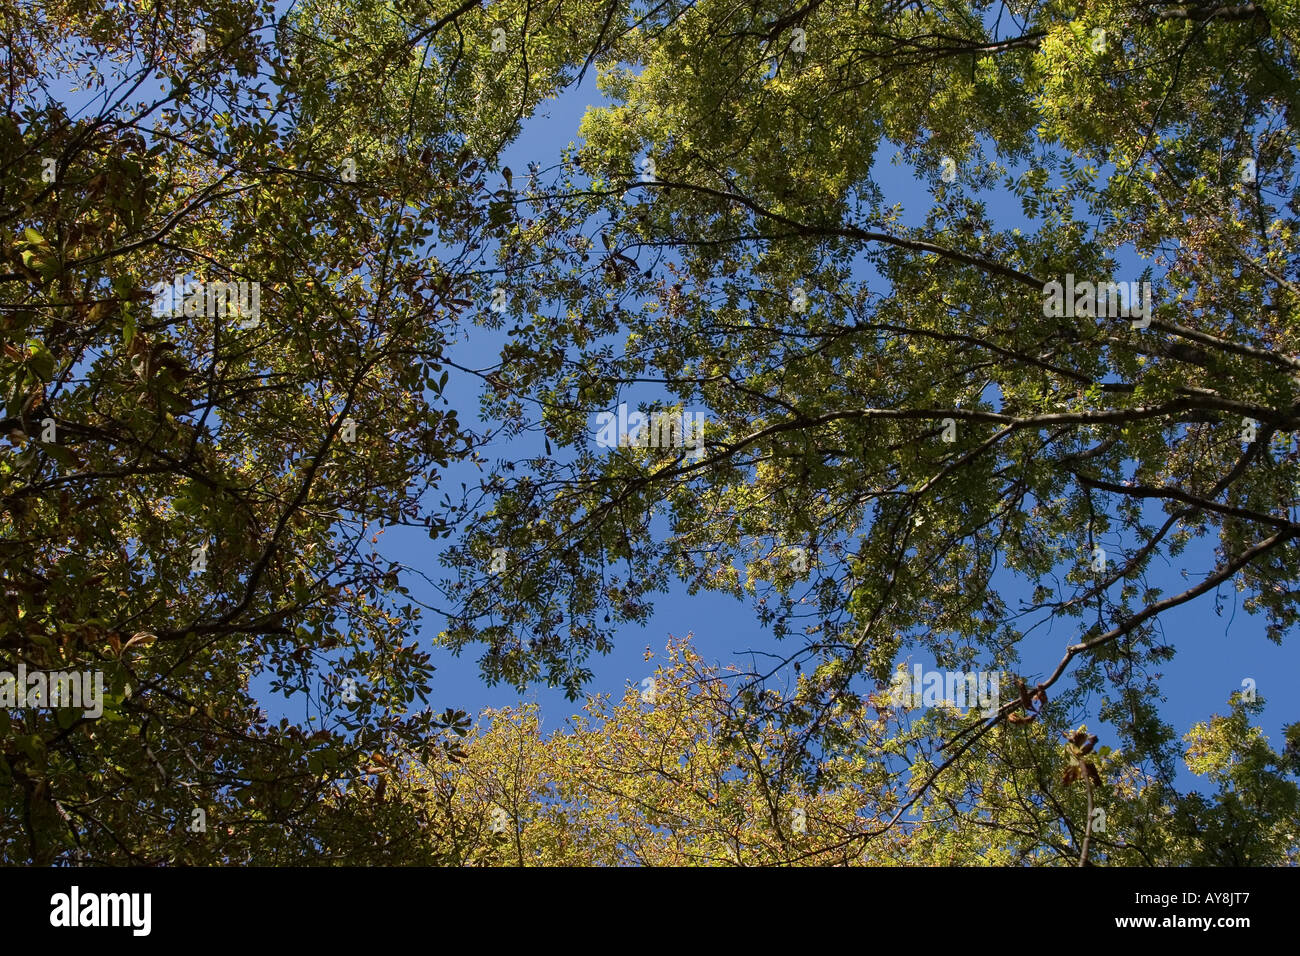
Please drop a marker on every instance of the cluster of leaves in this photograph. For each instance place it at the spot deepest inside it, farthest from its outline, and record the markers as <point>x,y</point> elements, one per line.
<point>674,774</point>
<point>192,501</point>
<point>192,496</point>
<point>722,237</point>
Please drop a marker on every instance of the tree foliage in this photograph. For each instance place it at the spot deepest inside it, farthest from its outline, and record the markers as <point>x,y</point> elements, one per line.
<point>674,774</point>
<point>906,448</point>
<point>193,493</point>
<point>903,449</point>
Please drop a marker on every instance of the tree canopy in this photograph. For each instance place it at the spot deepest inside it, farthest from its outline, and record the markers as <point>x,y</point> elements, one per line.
<point>675,774</point>
<point>240,244</point>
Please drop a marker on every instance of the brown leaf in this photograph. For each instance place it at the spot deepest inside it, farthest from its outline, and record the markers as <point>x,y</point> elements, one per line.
<point>1025,702</point>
